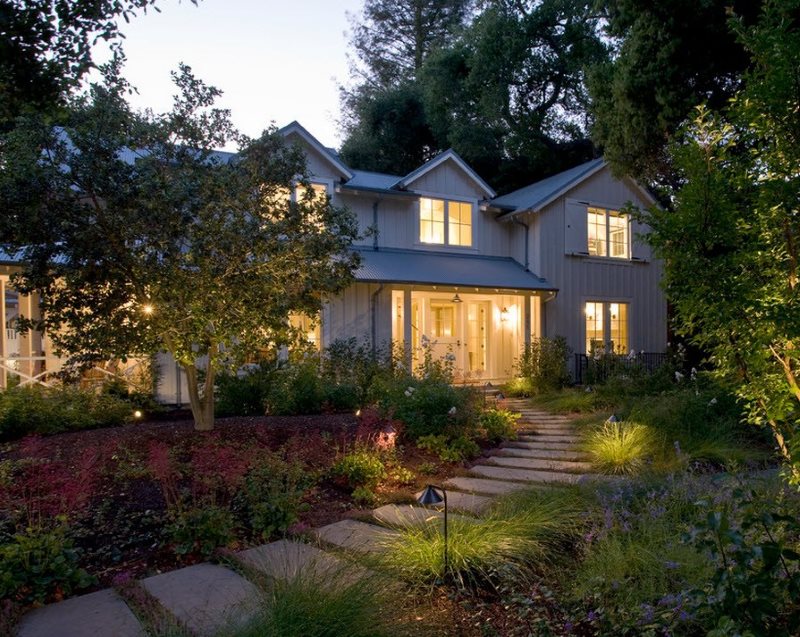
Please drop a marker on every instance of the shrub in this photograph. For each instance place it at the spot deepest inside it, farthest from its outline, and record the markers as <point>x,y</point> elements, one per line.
<point>620,448</point>
<point>498,424</point>
<point>244,393</point>
<point>359,468</point>
<point>201,530</point>
<point>34,409</point>
<point>342,397</point>
<point>297,388</point>
<point>271,497</point>
<point>755,586</point>
<point>431,406</point>
<point>450,449</point>
<point>544,364</point>
<point>356,366</point>
<point>37,564</point>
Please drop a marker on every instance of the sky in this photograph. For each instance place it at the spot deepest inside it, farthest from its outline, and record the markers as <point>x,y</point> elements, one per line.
<point>276,60</point>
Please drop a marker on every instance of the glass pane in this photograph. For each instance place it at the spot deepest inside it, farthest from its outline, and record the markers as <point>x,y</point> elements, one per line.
<point>596,222</point>
<point>431,220</point>
<point>618,322</point>
<point>618,235</point>
<point>443,319</point>
<point>459,219</point>
<point>594,327</point>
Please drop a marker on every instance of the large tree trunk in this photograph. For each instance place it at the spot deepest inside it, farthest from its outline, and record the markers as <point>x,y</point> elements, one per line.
<point>202,406</point>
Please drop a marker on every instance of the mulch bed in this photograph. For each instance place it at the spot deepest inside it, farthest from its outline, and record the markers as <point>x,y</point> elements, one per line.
<point>121,533</point>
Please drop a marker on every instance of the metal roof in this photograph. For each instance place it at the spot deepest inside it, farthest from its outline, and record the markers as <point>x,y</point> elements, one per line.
<point>435,268</point>
<point>539,194</point>
<point>372,181</point>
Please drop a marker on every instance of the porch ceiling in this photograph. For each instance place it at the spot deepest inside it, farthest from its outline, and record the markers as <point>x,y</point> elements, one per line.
<point>432,268</point>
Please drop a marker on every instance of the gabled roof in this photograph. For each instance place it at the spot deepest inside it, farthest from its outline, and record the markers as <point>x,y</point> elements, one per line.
<point>421,267</point>
<point>441,158</point>
<point>539,194</point>
<point>312,141</point>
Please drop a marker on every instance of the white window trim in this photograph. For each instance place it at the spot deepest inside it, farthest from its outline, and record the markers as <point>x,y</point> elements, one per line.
<point>438,246</point>
<point>314,181</point>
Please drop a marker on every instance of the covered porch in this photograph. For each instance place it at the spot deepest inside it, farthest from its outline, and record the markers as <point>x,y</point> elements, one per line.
<point>476,312</point>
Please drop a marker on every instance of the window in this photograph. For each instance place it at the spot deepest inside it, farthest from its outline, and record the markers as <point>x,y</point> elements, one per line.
<point>606,327</point>
<point>307,327</point>
<point>608,234</point>
<point>454,228</point>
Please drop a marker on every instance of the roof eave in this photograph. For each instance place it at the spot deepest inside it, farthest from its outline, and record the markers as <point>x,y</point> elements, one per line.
<point>296,127</point>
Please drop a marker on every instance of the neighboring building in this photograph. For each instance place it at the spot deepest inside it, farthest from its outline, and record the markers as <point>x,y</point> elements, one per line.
<point>477,276</point>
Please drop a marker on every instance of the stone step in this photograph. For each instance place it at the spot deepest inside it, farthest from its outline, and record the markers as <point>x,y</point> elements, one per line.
<point>287,560</point>
<point>544,423</point>
<point>542,437</point>
<point>548,454</point>
<point>525,475</point>
<point>357,536</point>
<point>407,515</point>
<point>477,485</point>
<point>467,502</point>
<point>540,444</point>
<point>92,615</point>
<point>528,415</point>
<point>206,598</point>
<point>542,464</point>
<point>548,432</point>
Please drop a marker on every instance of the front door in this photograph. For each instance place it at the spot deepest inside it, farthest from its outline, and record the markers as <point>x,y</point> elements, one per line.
<point>476,340</point>
<point>444,327</point>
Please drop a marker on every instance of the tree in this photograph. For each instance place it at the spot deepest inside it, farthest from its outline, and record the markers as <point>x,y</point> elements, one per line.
<point>507,92</point>
<point>45,48</point>
<point>670,57</point>
<point>394,37</point>
<point>139,236</point>
<point>732,244</point>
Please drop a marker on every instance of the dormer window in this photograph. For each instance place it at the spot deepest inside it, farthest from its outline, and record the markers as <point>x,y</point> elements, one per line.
<point>453,228</point>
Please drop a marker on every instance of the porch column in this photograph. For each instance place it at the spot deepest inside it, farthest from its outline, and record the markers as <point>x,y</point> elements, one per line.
<point>4,337</point>
<point>526,319</point>
<point>407,353</point>
<point>26,338</point>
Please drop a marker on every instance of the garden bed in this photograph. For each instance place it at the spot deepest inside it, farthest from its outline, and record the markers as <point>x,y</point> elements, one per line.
<point>119,512</point>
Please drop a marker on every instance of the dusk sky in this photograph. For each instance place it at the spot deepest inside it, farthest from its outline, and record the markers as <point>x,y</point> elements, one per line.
<point>277,61</point>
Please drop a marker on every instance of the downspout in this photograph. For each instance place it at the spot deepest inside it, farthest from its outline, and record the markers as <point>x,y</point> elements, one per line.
<point>527,238</point>
<point>375,223</point>
<point>374,319</point>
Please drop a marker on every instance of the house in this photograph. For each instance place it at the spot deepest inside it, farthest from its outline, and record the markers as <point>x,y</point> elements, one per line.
<point>448,263</point>
<point>479,275</point>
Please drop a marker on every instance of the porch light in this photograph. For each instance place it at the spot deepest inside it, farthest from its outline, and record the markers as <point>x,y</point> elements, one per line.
<point>456,299</point>
<point>504,314</point>
<point>430,496</point>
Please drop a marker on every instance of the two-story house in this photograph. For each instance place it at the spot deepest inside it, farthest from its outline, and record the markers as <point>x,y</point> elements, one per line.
<point>447,262</point>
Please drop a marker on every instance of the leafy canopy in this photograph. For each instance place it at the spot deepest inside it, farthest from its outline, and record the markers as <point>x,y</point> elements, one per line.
<point>732,244</point>
<point>140,236</point>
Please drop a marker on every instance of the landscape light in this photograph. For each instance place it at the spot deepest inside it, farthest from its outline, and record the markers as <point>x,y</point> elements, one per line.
<point>430,496</point>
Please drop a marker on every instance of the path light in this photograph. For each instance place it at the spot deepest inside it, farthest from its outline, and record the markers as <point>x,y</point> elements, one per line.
<point>137,414</point>
<point>430,496</point>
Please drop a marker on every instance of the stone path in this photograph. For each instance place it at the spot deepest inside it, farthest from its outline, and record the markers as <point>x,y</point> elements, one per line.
<point>207,597</point>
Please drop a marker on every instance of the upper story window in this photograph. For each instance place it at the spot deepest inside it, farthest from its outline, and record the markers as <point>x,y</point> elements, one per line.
<point>608,234</point>
<point>453,228</point>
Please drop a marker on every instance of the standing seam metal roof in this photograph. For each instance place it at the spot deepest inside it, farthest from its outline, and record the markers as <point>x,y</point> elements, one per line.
<point>435,268</point>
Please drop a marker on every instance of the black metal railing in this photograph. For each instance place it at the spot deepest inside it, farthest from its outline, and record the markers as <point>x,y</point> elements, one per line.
<point>597,370</point>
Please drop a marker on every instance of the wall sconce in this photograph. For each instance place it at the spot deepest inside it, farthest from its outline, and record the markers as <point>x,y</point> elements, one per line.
<point>399,311</point>
<point>504,314</point>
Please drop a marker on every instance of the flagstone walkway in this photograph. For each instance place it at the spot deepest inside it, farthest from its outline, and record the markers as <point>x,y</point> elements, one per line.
<point>205,598</point>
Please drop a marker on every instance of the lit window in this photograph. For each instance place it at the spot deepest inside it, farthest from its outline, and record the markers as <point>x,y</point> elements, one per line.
<point>607,233</point>
<point>606,327</point>
<point>443,320</point>
<point>307,327</point>
<point>459,223</point>
<point>318,192</point>
<point>455,228</point>
<point>431,220</point>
